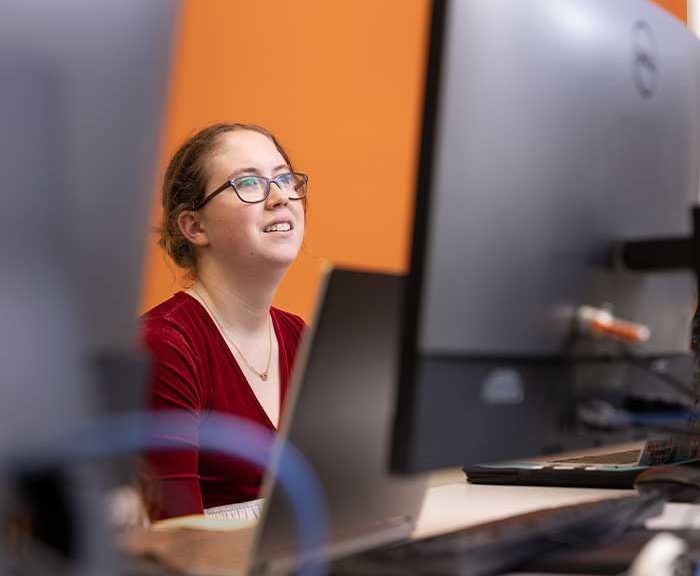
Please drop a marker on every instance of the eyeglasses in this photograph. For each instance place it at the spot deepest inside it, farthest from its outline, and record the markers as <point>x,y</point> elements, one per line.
<point>253,189</point>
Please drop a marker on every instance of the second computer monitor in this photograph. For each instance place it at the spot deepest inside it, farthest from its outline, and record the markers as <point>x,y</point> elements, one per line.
<point>553,129</point>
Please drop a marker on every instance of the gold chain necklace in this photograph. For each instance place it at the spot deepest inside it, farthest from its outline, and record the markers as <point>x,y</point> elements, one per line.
<point>264,374</point>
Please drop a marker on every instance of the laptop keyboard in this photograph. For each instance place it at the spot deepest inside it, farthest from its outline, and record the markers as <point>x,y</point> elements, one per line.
<point>495,546</point>
<point>625,458</point>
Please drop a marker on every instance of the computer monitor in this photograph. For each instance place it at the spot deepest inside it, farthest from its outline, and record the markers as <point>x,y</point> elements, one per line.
<point>82,91</point>
<point>553,131</point>
<point>82,94</point>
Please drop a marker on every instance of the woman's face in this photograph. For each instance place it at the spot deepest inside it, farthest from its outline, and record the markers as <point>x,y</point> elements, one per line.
<point>238,233</point>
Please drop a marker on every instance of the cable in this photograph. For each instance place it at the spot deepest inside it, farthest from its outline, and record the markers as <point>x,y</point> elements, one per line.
<point>652,423</point>
<point>678,385</point>
<point>601,415</point>
<point>229,435</point>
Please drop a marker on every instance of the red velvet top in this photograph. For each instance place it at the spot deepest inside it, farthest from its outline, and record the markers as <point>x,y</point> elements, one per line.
<point>195,371</point>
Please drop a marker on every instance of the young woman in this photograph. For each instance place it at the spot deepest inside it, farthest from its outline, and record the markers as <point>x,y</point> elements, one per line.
<point>233,217</point>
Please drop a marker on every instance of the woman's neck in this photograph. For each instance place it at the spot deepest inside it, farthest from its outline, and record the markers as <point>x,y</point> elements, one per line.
<point>240,303</point>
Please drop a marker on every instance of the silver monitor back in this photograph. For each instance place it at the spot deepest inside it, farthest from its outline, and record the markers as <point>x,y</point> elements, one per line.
<point>552,129</point>
<point>339,416</point>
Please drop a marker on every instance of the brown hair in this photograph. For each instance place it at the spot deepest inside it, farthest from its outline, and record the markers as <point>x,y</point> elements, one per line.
<point>184,186</point>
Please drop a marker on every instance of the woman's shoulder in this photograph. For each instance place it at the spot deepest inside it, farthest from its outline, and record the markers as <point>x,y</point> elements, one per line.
<point>178,316</point>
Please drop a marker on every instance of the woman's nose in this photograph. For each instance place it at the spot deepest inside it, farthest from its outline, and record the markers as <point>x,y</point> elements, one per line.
<point>276,197</point>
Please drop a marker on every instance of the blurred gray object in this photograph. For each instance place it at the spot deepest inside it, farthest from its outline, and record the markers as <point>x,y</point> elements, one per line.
<point>553,129</point>
<point>82,90</point>
<point>339,415</point>
<point>546,152</point>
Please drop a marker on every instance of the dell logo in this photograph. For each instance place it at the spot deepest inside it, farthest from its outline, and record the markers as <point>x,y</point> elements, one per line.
<point>502,386</point>
<point>645,66</point>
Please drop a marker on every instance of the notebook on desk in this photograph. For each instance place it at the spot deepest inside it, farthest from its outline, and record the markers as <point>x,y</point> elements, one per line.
<point>339,415</point>
<point>614,467</point>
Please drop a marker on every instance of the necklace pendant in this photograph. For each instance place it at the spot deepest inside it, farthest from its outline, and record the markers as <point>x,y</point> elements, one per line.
<point>263,376</point>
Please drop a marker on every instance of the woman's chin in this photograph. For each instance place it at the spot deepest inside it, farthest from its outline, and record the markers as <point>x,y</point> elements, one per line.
<point>282,257</point>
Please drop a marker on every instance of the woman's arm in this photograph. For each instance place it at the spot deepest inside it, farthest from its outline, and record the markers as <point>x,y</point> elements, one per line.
<point>170,478</point>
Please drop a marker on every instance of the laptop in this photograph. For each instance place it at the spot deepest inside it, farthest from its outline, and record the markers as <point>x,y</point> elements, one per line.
<point>614,466</point>
<point>611,467</point>
<point>339,414</point>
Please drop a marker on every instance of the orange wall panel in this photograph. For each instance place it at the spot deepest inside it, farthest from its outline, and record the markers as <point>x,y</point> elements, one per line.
<point>340,83</point>
<point>679,8</point>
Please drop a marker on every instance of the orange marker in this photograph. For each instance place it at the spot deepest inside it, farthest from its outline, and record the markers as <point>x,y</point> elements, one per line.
<point>602,324</point>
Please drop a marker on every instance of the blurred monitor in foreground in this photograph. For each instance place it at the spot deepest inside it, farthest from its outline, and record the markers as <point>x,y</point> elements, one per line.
<point>553,131</point>
<point>82,89</point>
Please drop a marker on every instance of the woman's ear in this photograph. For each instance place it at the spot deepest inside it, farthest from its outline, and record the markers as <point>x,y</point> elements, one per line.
<point>191,228</point>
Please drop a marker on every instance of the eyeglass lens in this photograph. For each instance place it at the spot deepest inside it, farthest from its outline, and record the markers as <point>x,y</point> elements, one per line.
<point>255,188</point>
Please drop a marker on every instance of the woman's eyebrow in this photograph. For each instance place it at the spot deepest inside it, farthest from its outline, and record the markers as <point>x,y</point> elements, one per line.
<point>253,170</point>
<point>243,171</point>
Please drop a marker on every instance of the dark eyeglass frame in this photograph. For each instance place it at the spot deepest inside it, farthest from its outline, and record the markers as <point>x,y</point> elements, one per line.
<point>268,181</point>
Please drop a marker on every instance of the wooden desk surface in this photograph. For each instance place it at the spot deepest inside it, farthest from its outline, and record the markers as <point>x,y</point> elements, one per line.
<point>451,503</point>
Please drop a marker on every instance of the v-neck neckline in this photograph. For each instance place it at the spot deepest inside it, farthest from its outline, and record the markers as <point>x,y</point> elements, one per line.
<point>281,357</point>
